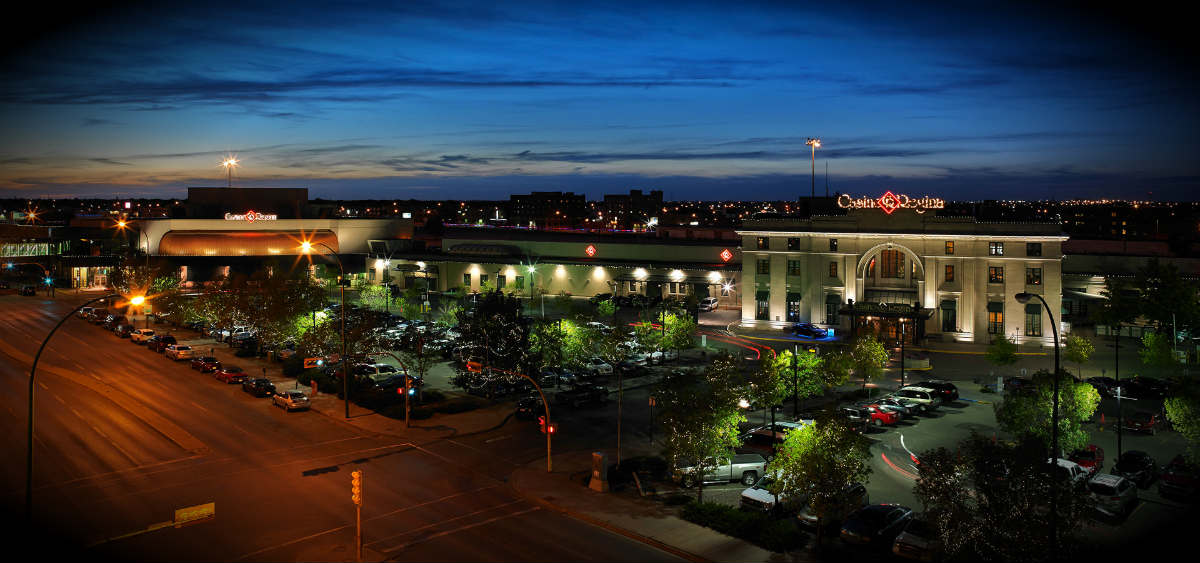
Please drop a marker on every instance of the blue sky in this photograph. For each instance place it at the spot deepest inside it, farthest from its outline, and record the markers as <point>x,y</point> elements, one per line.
<point>450,100</point>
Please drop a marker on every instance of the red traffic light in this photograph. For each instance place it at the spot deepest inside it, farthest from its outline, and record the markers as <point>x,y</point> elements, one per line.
<point>552,427</point>
<point>542,424</point>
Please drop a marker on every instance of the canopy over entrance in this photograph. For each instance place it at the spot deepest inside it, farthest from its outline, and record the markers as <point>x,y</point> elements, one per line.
<point>244,243</point>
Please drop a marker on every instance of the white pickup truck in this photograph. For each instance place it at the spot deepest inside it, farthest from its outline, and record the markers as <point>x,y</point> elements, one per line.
<point>739,467</point>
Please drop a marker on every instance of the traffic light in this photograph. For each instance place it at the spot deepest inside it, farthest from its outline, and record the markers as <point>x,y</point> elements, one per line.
<point>552,427</point>
<point>356,486</point>
<point>542,424</point>
<point>474,367</point>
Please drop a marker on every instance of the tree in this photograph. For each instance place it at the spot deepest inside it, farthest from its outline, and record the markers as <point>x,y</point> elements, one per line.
<point>495,333</point>
<point>374,296</point>
<point>700,416</point>
<point>1079,350</point>
<point>1002,351</point>
<point>837,367</point>
<point>803,373</point>
<point>606,309</point>
<point>1156,351</point>
<point>1166,298</point>
<point>990,501</point>
<point>868,357</point>
<point>1028,413</point>
<point>819,461</point>
<point>1120,303</point>
<point>679,332</point>
<point>768,385</point>
<point>1183,410</point>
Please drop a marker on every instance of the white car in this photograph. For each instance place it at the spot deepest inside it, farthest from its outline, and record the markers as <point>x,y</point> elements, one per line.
<point>1074,473</point>
<point>179,352</point>
<point>376,372</point>
<point>758,498</point>
<point>639,359</point>
<point>598,367</point>
<point>708,304</point>
<point>927,399</point>
<point>228,334</point>
<point>141,335</point>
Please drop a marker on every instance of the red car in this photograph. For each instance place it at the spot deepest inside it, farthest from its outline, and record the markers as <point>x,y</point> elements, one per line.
<point>230,374</point>
<point>205,364</point>
<point>881,416</point>
<point>1180,479</point>
<point>1144,421</point>
<point>1091,458</point>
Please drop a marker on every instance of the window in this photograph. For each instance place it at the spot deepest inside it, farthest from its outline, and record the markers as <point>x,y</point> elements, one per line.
<point>1033,319</point>
<point>371,274</point>
<point>832,303</point>
<point>893,263</point>
<point>949,315</point>
<point>676,288</point>
<point>871,268</point>
<point>762,243</point>
<point>833,245</point>
<point>466,280</point>
<point>949,247</point>
<point>793,307</point>
<point>762,305</point>
<point>764,266</point>
<point>1033,276</point>
<point>483,278</point>
<point>793,244</point>
<point>995,249</point>
<point>995,317</point>
<point>833,270</point>
<point>793,267</point>
<point>949,273</point>
<point>1033,249</point>
<point>500,281</point>
<point>995,274</point>
<point>520,281</point>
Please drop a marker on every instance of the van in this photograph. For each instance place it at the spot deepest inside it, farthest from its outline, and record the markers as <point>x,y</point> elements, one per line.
<point>709,304</point>
<point>928,399</point>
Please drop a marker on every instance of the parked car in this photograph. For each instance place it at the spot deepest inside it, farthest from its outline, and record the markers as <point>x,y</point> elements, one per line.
<point>709,304</point>
<point>946,390</point>
<point>82,313</point>
<point>928,399</point>
<point>808,330</point>
<point>880,416</point>
<point>1112,494</point>
<point>758,497</point>
<point>1105,386</point>
<point>738,467</point>
<point>179,352</point>
<point>290,400</point>
<point>852,497</point>
<point>1142,387</point>
<point>27,290</point>
<point>1019,385</point>
<point>1143,421</point>
<point>630,368</point>
<point>206,364</point>
<point>259,387</point>
<point>141,335</point>
<point>597,366</point>
<point>918,541</point>
<point>230,374</point>
<point>1180,478</point>
<point>1071,472</point>
<point>375,372</point>
<point>161,342</point>
<point>764,442</point>
<point>858,419</point>
<point>1090,458</point>
<point>905,407</point>
<point>114,321</point>
<point>875,525</point>
<point>582,395</point>
<point>529,407</point>
<point>1137,466</point>
<point>123,331</point>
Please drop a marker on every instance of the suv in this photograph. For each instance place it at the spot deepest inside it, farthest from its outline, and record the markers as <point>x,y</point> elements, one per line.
<point>179,352</point>
<point>161,342</point>
<point>1113,495</point>
<point>947,391</point>
<point>927,398</point>
<point>1144,421</point>
<point>141,335</point>
<point>709,304</point>
<point>858,417</point>
<point>1137,466</point>
<point>1180,478</point>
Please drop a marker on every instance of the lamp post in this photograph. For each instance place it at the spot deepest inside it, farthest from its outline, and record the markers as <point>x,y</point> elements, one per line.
<point>1024,298</point>
<point>137,300</point>
<point>229,164</point>
<point>307,247</point>
<point>815,143</point>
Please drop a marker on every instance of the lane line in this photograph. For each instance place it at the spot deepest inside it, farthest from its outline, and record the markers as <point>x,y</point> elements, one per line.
<point>464,528</point>
<point>446,521</point>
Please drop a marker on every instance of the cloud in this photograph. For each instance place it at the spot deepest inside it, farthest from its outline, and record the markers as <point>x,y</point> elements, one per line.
<point>109,161</point>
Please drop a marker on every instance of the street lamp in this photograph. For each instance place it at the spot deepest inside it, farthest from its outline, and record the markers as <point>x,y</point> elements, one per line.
<point>1024,298</point>
<point>136,300</point>
<point>122,224</point>
<point>815,143</point>
<point>306,247</point>
<point>229,164</point>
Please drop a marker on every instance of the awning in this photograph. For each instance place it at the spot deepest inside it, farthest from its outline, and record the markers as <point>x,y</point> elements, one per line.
<point>245,243</point>
<point>949,304</point>
<point>1084,295</point>
<point>995,307</point>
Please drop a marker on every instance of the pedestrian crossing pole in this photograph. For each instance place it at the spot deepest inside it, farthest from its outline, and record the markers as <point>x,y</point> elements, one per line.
<point>356,496</point>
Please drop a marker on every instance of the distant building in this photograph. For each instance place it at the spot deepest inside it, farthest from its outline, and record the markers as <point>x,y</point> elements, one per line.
<point>627,210</point>
<point>547,209</point>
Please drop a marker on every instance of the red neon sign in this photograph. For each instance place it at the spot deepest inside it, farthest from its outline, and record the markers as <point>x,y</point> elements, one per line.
<point>726,255</point>
<point>590,251</point>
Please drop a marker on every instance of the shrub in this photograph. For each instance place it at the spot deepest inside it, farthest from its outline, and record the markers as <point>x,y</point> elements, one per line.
<point>293,366</point>
<point>755,527</point>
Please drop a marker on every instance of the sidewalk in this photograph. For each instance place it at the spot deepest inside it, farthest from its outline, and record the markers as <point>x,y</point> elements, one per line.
<point>565,490</point>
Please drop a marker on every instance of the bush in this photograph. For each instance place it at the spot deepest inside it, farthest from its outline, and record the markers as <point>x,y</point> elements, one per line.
<point>755,527</point>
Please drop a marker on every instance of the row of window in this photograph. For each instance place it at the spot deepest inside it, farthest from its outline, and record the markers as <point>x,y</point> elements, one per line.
<point>994,248</point>
<point>893,267</point>
<point>501,281</point>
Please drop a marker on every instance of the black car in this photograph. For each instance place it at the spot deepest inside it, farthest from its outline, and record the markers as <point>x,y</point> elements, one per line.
<point>946,390</point>
<point>876,525</point>
<point>1144,388</point>
<point>858,418</point>
<point>808,330</point>
<point>161,343</point>
<point>1137,466</point>
<point>529,408</point>
<point>1105,386</point>
<point>259,387</point>
<point>27,290</point>
<point>123,331</point>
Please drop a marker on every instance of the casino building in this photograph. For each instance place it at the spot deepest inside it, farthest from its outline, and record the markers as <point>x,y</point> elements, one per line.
<point>892,266</point>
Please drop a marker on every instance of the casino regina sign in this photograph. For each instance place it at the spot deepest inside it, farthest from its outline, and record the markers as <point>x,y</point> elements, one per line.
<point>889,202</point>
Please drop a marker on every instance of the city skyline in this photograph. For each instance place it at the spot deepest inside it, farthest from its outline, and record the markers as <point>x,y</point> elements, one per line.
<point>440,100</point>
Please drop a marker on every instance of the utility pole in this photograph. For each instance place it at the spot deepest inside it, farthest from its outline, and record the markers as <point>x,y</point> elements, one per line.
<point>795,380</point>
<point>1117,376</point>
<point>902,334</point>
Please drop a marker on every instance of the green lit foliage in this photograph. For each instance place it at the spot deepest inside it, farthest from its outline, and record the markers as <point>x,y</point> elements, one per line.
<point>1183,410</point>
<point>818,461</point>
<point>606,309</point>
<point>374,296</point>
<point>1029,413</point>
<point>546,342</point>
<point>868,357</point>
<point>679,333</point>
<point>447,314</point>
<point>700,415</point>
<point>1156,350</point>
<point>804,372</point>
<point>1079,350</point>
<point>1002,351</point>
<point>991,501</point>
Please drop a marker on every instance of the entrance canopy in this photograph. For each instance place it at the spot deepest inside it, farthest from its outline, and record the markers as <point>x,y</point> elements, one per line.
<point>244,243</point>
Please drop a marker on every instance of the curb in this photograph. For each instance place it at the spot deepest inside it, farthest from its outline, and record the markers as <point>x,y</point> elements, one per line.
<point>610,526</point>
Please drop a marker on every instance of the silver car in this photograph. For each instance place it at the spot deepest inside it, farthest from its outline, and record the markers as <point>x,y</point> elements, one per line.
<point>1112,494</point>
<point>179,352</point>
<point>290,400</point>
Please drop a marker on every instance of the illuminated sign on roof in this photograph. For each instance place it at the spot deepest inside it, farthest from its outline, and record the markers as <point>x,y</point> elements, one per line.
<point>250,216</point>
<point>726,255</point>
<point>890,202</point>
<point>590,251</point>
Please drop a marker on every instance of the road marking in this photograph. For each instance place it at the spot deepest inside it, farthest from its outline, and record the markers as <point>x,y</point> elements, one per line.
<point>497,439</point>
<point>464,528</point>
<point>448,520</point>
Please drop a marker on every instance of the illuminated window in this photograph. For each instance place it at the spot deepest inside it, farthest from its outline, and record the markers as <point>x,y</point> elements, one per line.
<point>871,268</point>
<point>762,243</point>
<point>833,270</point>
<point>500,281</point>
<point>949,247</point>
<point>995,274</point>
<point>995,249</point>
<point>1033,276</point>
<point>1033,319</point>
<point>995,317</point>
<point>893,264</point>
<point>764,266</point>
<point>793,267</point>
<point>467,280</point>
<point>520,281</point>
<point>949,273</point>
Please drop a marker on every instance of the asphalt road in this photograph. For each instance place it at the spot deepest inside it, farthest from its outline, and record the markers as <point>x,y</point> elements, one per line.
<point>125,437</point>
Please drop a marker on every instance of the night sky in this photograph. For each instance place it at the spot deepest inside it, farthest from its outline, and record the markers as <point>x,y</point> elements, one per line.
<point>454,100</point>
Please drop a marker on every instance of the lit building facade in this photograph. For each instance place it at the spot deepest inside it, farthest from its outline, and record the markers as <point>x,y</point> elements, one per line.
<point>902,269</point>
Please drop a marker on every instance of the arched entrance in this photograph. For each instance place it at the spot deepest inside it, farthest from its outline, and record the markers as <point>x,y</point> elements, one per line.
<point>890,289</point>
